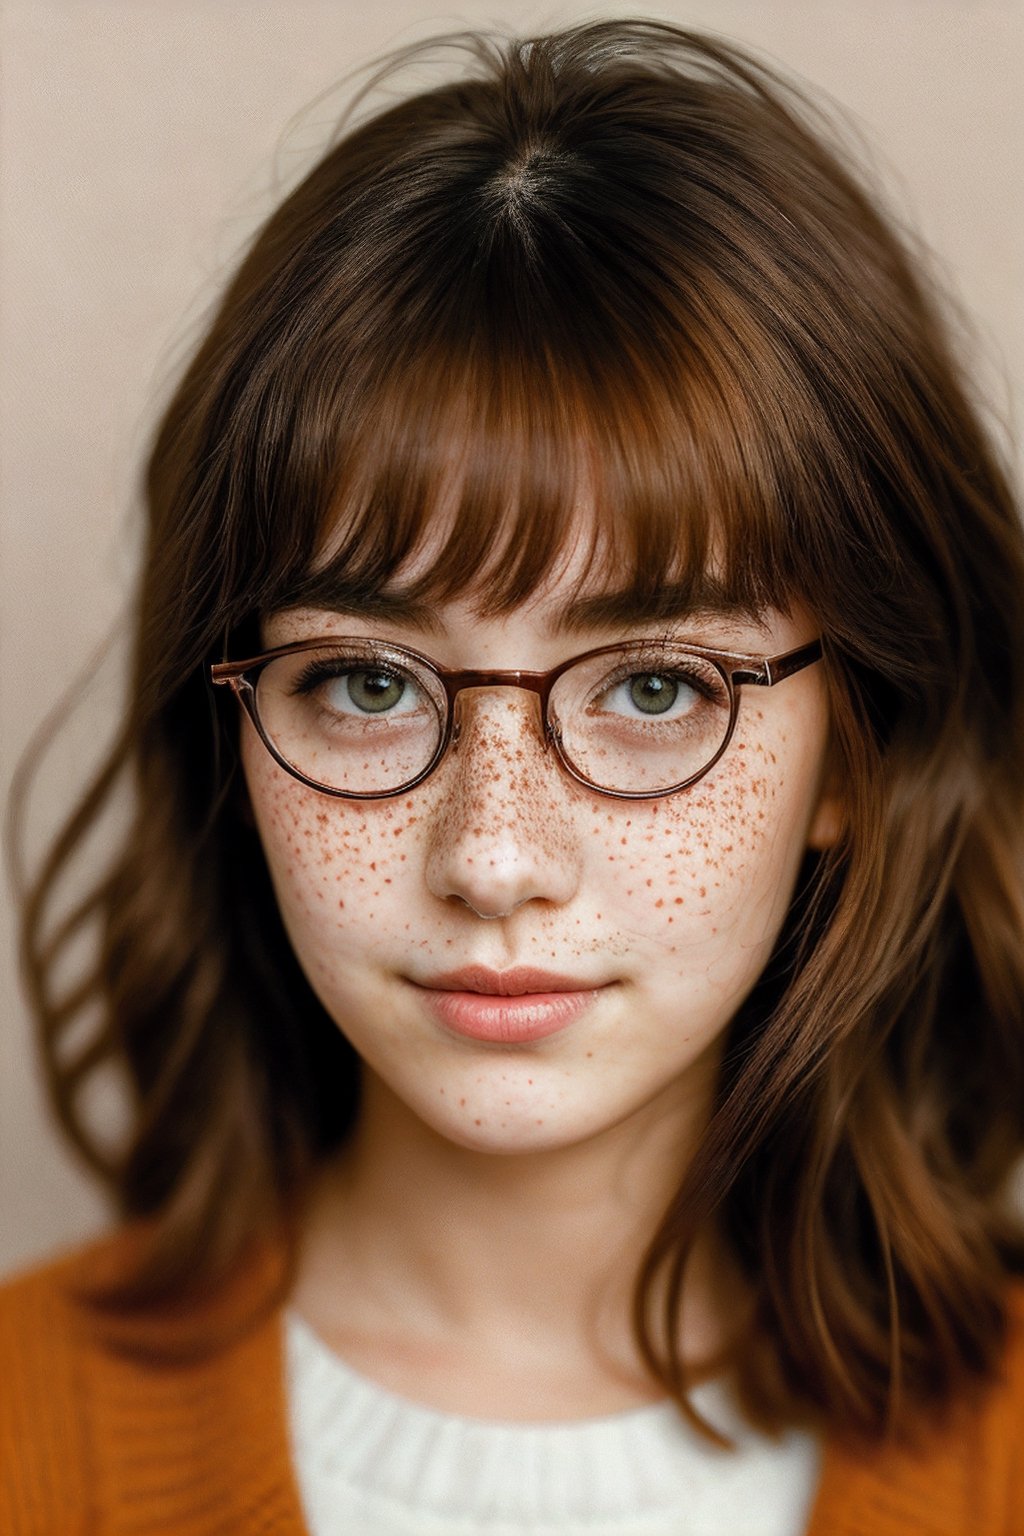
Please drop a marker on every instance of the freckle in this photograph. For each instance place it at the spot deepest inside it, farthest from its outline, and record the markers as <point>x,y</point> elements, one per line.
<point>476,1122</point>
<point>622,840</point>
<point>703,890</point>
<point>374,868</point>
<point>341,904</point>
<point>679,901</point>
<point>659,902</point>
<point>590,1053</point>
<point>530,1081</point>
<point>462,1103</point>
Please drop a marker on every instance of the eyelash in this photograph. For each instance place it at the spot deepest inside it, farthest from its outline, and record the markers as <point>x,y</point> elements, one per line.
<point>322,671</point>
<point>639,667</point>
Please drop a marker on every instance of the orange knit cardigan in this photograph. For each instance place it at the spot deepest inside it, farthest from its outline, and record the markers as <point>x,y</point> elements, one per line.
<point>96,1439</point>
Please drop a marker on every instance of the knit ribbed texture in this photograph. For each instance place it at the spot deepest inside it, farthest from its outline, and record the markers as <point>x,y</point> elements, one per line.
<point>368,1460</point>
<point>98,1442</point>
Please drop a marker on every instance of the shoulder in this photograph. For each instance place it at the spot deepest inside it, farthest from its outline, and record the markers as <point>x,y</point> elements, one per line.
<point>42,1307</point>
<point>44,1345</point>
<point>169,1409</point>
<point>50,1274</point>
<point>965,1479</point>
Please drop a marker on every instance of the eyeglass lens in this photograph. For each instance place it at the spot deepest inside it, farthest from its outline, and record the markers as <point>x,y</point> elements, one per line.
<point>364,718</point>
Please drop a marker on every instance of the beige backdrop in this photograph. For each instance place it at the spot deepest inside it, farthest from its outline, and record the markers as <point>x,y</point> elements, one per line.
<point>142,141</point>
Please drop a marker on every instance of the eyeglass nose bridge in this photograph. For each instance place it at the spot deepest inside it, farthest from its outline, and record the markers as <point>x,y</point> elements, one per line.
<point>536,683</point>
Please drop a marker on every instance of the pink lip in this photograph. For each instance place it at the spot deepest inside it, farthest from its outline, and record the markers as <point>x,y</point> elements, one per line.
<point>521,979</point>
<point>508,1007</point>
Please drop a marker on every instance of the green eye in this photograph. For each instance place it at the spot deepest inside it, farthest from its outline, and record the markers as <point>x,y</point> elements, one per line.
<point>653,693</point>
<point>374,692</point>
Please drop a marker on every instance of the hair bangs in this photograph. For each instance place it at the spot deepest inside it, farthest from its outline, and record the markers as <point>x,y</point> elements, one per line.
<point>482,476</point>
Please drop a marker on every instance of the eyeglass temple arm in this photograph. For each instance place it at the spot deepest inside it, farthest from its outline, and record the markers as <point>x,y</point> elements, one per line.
<point>775,668</point>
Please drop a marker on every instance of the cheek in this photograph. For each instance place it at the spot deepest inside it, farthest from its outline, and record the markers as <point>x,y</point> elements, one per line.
<point>337,867</point>
<point>714,866</point>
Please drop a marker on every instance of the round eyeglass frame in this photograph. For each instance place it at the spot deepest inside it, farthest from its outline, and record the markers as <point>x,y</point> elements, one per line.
<point>735,668</point>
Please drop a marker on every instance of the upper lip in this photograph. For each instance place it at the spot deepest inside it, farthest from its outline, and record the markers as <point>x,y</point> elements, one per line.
<point>514,983</point>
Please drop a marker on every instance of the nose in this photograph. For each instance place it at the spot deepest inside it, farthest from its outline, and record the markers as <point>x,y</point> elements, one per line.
<point>503,832</point>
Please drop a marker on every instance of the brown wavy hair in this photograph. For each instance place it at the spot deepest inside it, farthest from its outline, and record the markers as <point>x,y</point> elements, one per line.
<point>629,262</point>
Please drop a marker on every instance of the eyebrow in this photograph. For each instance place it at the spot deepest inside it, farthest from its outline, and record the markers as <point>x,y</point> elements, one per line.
<point>692,600</point>
<point>700,599</point>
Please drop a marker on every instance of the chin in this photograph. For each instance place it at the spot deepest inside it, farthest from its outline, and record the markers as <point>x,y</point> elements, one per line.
<point>498,1141</point>
<point>505,1131</point>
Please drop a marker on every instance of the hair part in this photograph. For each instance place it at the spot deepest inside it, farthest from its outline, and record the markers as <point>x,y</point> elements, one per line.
<point>614,280</point>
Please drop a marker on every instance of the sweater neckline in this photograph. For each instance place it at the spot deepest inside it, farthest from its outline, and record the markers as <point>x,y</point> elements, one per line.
<point>634,1469</point>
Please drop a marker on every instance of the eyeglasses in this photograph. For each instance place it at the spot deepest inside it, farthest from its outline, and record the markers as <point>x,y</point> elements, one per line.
<point>365,719</point>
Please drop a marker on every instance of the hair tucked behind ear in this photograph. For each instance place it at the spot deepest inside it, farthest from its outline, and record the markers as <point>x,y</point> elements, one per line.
<point>620,258</point>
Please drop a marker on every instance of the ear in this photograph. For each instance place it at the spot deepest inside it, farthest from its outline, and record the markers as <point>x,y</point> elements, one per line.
<point>829,819</point>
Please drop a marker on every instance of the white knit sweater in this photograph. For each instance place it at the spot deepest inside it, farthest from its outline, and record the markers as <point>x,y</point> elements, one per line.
<point>370,1463</point>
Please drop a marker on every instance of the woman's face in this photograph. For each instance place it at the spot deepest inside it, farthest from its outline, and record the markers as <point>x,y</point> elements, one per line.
<point>658,916</point>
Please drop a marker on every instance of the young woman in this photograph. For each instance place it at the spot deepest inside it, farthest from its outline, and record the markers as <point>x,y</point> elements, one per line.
<point>568,955</point>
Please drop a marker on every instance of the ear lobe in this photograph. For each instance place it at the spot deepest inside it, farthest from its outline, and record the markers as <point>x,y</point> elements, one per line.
<point>827,824</point>
<point>829,820</point>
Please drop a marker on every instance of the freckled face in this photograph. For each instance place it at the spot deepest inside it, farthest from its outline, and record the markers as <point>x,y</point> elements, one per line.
<point>669,907</point>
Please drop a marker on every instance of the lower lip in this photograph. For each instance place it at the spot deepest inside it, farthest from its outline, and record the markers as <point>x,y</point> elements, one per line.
<point>507,1020</point>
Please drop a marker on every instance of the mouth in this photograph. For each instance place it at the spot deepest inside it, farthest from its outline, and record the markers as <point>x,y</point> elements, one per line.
<point>513,1007</point>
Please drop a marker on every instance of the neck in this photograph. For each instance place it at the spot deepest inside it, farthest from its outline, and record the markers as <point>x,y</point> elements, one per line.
<point>417,1249</point>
